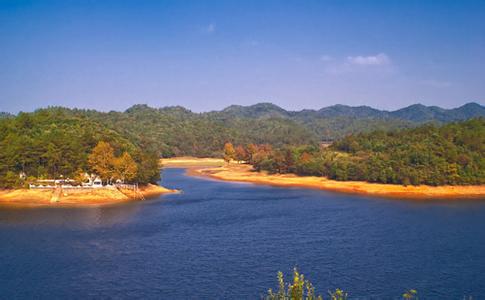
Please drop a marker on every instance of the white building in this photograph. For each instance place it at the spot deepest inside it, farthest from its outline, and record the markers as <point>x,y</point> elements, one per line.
<point>97,183</point>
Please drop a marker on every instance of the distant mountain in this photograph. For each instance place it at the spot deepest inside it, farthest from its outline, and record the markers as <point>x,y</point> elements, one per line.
<point>420,113</point>
<point>176,130</point>
<point>416,113</point>
<point>349,111</point>
<point>269,123</point>
<point>260,110</point>
<point>467,111</point>
<point>138,109</point>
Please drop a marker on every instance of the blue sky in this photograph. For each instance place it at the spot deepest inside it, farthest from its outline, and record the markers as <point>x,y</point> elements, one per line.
<point>206,55</point>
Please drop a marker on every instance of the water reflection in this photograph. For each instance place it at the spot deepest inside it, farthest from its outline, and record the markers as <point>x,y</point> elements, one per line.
<point>88,217</point>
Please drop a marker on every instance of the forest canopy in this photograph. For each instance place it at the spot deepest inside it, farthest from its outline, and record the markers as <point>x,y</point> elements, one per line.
<point>51,143</point>
<point>453,154</point>
<point>369,144</point>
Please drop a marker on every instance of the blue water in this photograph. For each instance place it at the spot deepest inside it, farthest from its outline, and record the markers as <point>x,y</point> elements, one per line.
<point>220,240</point>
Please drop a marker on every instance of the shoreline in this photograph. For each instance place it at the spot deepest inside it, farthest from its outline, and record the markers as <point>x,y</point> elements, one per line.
<point>76,197</point>
<point>244,173</point>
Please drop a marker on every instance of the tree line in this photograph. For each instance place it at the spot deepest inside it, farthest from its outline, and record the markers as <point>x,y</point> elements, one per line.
<point>453,154</point>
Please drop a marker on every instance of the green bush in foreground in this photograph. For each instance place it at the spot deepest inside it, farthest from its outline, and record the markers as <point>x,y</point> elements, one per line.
<point>301,289</point>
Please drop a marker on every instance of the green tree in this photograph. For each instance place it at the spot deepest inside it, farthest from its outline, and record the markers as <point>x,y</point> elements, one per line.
<point>148,167</point>
<point>10,180</point>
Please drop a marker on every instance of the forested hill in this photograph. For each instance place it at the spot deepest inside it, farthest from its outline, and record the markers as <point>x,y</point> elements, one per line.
<point>55,141</point>
<point>178,131</point>
<point>415,113</point>
<point>451,154</point>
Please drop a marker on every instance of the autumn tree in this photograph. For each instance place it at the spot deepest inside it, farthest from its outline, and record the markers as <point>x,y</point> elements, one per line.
<point>229,152</point>
<point>102,160</point>
<point>241,154</point>
<point>125,167</point>
<point>252,149</point>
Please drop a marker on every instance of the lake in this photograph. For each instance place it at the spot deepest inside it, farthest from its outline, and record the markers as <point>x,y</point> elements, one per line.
<point>220,240</point>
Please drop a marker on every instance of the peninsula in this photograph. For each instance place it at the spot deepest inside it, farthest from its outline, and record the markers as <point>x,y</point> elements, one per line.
<point>245,173</point>
<point>77,197</point>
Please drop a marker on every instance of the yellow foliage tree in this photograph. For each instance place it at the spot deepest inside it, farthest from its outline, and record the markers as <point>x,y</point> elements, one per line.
<point>125,167</point>
<point>229,152</point>
<point>102,160</point>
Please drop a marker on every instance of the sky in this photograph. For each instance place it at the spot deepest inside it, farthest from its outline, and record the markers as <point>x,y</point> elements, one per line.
<point>207,55</point>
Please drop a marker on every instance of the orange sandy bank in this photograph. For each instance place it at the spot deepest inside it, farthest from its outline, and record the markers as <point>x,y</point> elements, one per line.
<point>243,173</point>
<point>188,161</point>
<point>72,197</point>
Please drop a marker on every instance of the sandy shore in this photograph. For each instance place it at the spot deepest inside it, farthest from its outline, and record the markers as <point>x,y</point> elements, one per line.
<point>187,161</point>
<point>244,173</point>
<point>73,197</point>
<point>150,190</point>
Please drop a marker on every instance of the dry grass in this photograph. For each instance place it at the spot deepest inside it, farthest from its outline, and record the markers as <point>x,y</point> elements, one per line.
<point>187,161</point>
<point>24,197</point>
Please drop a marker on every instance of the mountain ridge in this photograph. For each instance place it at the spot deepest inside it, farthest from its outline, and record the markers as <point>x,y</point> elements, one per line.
<point>415,112</point>
<point>268,109</point>
<point>175,130</point>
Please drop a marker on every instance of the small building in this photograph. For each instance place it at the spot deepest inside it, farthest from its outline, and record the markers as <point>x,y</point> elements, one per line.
<point>97,182</point>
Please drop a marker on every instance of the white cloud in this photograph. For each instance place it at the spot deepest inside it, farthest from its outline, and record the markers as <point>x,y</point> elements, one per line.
<point>373,60</point>
<point>358,64</point>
